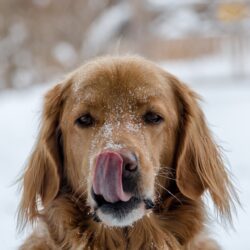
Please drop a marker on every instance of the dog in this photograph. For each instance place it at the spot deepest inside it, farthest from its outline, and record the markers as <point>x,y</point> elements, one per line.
<point>123,158</point>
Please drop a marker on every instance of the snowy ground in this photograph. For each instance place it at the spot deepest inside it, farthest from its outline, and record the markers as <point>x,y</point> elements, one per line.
<point>226,105</point>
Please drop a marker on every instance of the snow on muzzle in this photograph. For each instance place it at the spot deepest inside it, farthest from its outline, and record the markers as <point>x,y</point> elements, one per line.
<point>107,179</point>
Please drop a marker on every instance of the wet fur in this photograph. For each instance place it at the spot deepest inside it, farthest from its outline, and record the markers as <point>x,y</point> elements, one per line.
<point>64,221</point>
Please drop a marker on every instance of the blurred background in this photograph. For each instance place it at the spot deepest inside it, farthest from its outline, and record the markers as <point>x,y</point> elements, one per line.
<point>205,43</point>
<point>40,39</point>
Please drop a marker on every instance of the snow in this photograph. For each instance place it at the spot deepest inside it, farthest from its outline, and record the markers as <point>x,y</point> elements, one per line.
<point>227,109</point>
<point>226,105</point>
<point>159,4</point>
<point>215,69</point>
<point>65,53</point>
<point>19,111</point>
<point>105,27</point>
<point>181,23</point>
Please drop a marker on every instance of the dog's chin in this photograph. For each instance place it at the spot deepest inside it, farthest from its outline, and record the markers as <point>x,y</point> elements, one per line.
<point>120,213</point>
<point>120,217</point>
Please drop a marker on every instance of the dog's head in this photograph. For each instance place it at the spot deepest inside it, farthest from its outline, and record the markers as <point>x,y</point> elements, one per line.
<point>118,131</point>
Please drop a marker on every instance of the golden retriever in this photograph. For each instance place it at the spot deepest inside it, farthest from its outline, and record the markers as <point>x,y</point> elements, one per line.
<point>122,160</point>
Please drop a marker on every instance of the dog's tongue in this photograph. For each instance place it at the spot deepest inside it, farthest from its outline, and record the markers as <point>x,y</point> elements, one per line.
<point>108,177</point>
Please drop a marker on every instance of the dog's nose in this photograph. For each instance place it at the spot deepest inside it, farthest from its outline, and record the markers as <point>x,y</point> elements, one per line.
<point>130,163</point>
<point>130,171</point>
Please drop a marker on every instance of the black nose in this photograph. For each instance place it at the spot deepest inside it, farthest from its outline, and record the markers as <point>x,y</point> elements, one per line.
<point>130,170</point>
<point>130,163</point>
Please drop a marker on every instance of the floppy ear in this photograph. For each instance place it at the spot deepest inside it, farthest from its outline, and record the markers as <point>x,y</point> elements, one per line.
<point>199,165</point>
<point>41,179</point>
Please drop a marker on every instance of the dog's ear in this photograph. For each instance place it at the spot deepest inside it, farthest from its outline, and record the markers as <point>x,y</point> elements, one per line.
<point>198,161</point>
<point>41,179</point>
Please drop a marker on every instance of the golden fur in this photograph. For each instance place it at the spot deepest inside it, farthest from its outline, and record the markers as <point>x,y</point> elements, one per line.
<point>179,161</point>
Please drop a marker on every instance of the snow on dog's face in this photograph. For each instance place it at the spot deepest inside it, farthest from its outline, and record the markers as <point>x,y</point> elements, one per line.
<point>117,125</point>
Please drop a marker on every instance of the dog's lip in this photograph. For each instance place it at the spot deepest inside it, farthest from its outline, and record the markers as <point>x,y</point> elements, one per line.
<point>116,207</point>
<point>99,199</point>
<point>129,205</point>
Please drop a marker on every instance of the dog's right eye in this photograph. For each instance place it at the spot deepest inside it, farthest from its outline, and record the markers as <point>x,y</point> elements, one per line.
<point>85,121</point>
<point>152,118</point>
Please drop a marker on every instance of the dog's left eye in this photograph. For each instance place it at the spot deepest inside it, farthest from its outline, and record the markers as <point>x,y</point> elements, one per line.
<point>85,121</point>
<point>152,118</point>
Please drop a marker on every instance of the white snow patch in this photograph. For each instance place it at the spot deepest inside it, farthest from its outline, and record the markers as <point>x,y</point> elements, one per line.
<point>20,113</point>
<point>105,27</point>
<point>65,53</point>
<point>215,69</point>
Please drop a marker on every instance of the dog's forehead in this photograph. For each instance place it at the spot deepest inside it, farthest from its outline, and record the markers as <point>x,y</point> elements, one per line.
<point>94,94</point>
<point>118,83</point>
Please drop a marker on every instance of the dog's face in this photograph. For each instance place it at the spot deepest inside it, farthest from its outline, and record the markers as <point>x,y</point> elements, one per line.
<point>118,126</point>
<point>116,132</point>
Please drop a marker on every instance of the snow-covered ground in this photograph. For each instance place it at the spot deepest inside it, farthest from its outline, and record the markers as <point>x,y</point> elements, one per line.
<point>226,104</point>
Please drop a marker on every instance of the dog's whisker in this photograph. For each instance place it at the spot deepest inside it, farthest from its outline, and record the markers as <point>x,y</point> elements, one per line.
<point>166,176</point>
<point>79,188</point>
<point>95,217</point>
<point>83,192</point>
<point>167,171</point>
<point>149,204</point>
<point>168,192</point>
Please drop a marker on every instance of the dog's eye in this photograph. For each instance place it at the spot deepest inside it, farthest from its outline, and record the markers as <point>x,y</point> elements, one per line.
<point>85,121</point>
<point>152,118</point>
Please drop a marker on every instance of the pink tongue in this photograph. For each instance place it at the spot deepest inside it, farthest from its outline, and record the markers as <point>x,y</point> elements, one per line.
<point>108,177</point>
